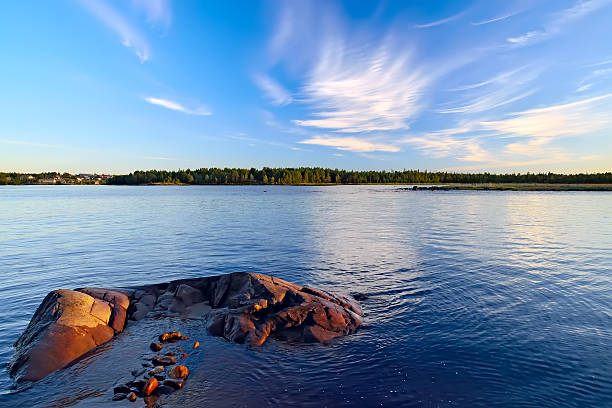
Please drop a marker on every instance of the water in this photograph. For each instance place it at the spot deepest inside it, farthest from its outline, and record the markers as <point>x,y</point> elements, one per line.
<point>479,299</point>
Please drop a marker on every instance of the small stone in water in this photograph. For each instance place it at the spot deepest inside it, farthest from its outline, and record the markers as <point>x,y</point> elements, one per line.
<point>119,397</point>
<point>164,360</point>
<point>121,389</point>
<point>170,353</point>
<point>155,346</point>
<point>196,344</point>
<point>157,370</point>
<point>138,372</point>
<point>170,336</point>
<point>150,386</point>
<point>147,365</point>
<point>179,371</point>
<point>131,396</point>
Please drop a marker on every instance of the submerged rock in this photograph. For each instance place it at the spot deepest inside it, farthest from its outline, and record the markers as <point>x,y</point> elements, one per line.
<point>241,307</point>
<point>164,360</point>
<point>174,383</point>
<point>121,389</point>
<point>119,397</point>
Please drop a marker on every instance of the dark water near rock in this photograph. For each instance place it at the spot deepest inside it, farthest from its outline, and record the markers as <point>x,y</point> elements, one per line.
<point>479,299</point>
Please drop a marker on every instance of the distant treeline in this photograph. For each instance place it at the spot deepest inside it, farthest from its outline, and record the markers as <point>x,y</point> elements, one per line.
<point>317,175</point>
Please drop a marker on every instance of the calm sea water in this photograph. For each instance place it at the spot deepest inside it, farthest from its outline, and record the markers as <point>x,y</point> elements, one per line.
<point>479,299</point>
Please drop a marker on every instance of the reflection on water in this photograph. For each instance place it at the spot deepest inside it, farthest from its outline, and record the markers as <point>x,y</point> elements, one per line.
<point>477,298</point>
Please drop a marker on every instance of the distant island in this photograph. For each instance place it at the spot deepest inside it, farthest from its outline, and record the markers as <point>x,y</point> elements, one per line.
<point>325,176</point>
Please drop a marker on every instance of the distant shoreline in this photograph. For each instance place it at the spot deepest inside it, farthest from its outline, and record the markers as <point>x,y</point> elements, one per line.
<point>401,186</point>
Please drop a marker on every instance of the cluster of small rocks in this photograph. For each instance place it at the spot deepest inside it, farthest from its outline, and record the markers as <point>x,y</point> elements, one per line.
<point>160,373</point>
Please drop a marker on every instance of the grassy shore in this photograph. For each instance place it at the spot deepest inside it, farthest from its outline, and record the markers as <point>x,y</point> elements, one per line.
<point>519,187</point>
<point>457,186</point>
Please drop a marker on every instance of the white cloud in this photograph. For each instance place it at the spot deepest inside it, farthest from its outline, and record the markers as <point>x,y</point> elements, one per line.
<point>570,119</point>
<point>560,19</point>
<point>442,21</point>
<point>502,89</point>
<point>352,144</point>
<point>130,36</point>
<point>200,110</point>
<point>496,19</point>
<point>273,90</point>
<point>441,145</point>
<point>597,64</point>
<point>156,11</point>
<point>488,102</point>
<point>500,78</point>
<point>525,38</point>
<point>362,90</point>
<point>534,132</point>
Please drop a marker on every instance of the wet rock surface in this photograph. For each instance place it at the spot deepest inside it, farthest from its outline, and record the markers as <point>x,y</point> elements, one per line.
<point>240,307</point>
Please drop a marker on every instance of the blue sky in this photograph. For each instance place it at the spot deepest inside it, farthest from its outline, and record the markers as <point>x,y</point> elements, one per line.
<point>114,86</point>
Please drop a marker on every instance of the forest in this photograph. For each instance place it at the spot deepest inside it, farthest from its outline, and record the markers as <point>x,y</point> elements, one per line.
<point>318,175</point>
<point>299,176</point>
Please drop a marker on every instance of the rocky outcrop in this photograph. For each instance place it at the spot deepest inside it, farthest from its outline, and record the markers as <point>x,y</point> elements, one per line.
<point>241,307</point>
<point>249,308</point>
<point>67,324</point>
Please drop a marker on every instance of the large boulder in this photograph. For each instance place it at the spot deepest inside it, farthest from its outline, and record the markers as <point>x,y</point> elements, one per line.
<point>67,324</point>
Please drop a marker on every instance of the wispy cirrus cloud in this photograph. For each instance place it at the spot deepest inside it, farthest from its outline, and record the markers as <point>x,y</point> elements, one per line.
<point>372,90</point>
<point>157,12</point>
<point>503,89</point>
<point>570,119</point>
<point>496,19</point>
<point>175,106</point>
<point>598,76</point>
<point>130,36</point>
<point>273,90</point>
<point>352,144</point>
<point>451,143</point>
<point>350,82</point>
<point>441,21</point>
<point>558,21</point>
<point>533,133</point>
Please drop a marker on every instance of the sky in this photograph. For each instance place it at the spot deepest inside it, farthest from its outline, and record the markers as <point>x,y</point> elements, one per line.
<point>115,86</point>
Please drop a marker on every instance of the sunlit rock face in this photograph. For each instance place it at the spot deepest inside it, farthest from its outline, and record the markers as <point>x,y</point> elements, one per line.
<point>241,307</point>
<point>67,324</point>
